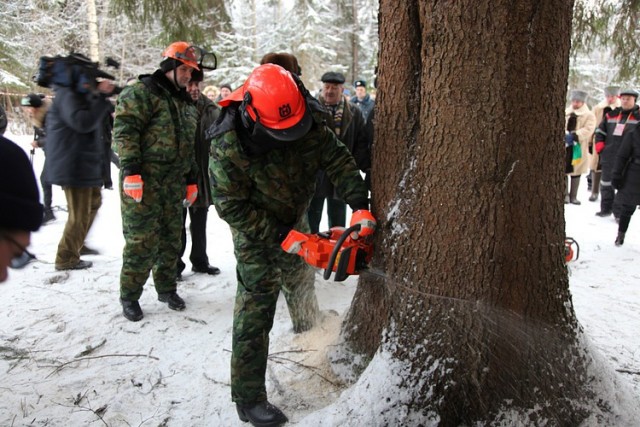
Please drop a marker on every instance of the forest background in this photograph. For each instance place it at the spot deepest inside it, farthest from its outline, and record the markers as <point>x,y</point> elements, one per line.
<point>338,35</point>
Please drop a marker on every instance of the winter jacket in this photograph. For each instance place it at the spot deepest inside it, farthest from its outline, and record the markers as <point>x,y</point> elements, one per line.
<point>600,109</point>
<point>154,130</point>
<point>74,142</point>
<point>626,169</point>
<point>586,124</point>
<point>258,191</point>
<point>208,112</point>
<point>3,121</point>
<point>605,138</point>
<point>354,135</point>
<point>366,105</point>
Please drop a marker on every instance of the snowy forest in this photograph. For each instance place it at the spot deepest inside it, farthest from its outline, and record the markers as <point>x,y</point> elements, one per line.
<point>338,35</point>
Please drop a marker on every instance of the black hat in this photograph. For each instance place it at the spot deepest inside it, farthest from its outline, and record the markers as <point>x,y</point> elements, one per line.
<point>19,196</point>
<point>332,77</point>
<point>361,82</point>
<point>629,91</point>
<point>228,86</point>
<point>197,75</point>
<point>32,100</point>
<point>169,64</point>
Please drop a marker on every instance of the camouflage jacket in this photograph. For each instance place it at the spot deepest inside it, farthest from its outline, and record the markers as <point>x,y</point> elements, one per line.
<point>154,129</point>
<point>259,193</point>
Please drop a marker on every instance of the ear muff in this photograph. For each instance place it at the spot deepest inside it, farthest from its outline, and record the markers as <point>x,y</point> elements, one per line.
<point>246,119</point>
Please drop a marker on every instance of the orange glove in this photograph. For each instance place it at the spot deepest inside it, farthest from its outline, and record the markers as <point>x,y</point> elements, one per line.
<point>132,187</point>
<point>192,195</point>
<point>367,223</point>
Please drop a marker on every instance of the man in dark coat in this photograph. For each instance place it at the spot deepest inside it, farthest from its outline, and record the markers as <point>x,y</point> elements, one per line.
<point>348,123</point>
<point>362,99</point>
<point>626,179</point>
<point>208,112</point>
<point>75,162</point>
<point>609,134</point>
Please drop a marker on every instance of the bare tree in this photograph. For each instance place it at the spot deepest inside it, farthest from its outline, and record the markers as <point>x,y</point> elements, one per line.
<point>475,312</point>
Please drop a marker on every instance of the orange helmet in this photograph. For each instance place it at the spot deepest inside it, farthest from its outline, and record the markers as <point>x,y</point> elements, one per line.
<point>183,52</point>
<point>272,101</point>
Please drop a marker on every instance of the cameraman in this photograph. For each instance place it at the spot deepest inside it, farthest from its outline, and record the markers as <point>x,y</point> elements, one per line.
<point>75,156</point>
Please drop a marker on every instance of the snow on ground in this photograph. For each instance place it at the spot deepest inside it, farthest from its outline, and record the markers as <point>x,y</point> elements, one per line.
<point>69,358</point>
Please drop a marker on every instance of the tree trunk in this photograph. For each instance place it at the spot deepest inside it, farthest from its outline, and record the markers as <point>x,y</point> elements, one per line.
<point>94,41</point>
<point>467,187</point>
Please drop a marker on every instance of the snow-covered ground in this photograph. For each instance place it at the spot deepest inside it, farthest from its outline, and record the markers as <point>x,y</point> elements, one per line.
<point>69,358</point>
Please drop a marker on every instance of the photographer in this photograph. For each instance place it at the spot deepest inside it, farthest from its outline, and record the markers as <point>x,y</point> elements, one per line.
<point>75,156</point>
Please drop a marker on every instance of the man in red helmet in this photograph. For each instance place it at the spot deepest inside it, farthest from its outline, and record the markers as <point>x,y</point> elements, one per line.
<point>267,148</point>
<point>153,134</point>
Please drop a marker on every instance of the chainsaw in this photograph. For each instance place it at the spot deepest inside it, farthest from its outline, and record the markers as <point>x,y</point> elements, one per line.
<point>571,250</point>
<point>335,251</point>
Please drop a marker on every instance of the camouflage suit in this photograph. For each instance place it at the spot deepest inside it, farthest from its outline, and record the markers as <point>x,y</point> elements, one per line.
<point>153,134</point>
<point>258,192</point>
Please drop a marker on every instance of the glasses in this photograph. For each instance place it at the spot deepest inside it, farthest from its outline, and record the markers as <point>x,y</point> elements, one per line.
<point>25,257</point>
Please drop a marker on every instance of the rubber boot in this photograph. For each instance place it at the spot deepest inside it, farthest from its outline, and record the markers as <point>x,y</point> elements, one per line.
<point>573,193</point>
<point>595,186</point>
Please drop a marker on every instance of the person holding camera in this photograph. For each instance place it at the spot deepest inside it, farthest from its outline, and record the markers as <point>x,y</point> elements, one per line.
<point>75,160</point>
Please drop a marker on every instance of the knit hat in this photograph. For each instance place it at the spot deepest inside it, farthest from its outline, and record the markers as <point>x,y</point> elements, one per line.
<point>225,85</point>
<point>629,91</point>
<point>19,196</point>
<point>332,77</point>
<point>32,100</point>
<point>579,95</point>
<point>612,90</point>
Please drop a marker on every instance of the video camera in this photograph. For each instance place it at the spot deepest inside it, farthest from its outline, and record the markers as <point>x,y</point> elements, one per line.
<point>75,71</point>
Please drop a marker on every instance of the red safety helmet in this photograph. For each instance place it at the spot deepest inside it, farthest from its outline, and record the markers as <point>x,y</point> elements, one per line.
<point>183,52</point>
<point>271,99</point>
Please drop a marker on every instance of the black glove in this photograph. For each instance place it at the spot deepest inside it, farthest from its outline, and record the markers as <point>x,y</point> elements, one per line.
<point>590,148</point>
<point>617,183</point>
<point>282,231</point>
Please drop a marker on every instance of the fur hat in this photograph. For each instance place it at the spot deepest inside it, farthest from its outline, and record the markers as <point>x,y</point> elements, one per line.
<point>332,77</point>
<point>612,90</point>
<point>286,60</point>
<point>19,196</point>
<point>579,95</point>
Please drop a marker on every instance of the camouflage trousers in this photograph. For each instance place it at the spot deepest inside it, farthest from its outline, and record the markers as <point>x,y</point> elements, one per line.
<point>151,231</point>
<point>262,271</point>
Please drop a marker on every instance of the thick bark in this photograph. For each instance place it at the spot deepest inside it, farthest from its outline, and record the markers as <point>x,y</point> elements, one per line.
<point>467,185</point>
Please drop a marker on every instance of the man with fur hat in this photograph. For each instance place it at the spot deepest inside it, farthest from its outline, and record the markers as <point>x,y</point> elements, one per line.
<point>579,126</point>
<point>208,112</point>
<point>153,134</point>
<point>610,102</point>
<point>615,124</point>
<point>36,106</point>
<point>21,211</point>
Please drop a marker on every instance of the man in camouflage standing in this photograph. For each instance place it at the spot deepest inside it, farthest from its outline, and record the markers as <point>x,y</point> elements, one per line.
<point>153,134</point>
<point>267,148</point>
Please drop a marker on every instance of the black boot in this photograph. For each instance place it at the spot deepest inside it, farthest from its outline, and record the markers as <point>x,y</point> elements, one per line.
<point>208,269</point>
<point>48,216</point>
<point>620,238</point>
<point>573,193</point>
<point>173,299</point>
<point>261,414</point>
<point>603,214</point>
<point>131,310</point>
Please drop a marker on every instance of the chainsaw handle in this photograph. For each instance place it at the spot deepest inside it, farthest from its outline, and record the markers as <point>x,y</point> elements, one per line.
<point>336,249</point>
